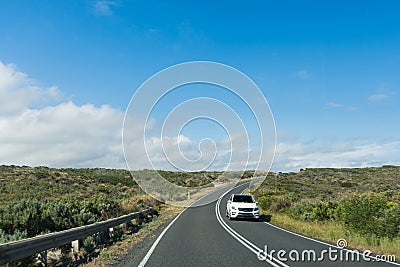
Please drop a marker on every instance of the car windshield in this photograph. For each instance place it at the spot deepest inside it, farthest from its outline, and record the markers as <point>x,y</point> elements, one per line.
<point>243,198</point>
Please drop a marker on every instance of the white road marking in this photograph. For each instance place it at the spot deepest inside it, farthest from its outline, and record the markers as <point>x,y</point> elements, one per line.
<point>327,244</point>
<point>252,247</point>
<point>153,247</point>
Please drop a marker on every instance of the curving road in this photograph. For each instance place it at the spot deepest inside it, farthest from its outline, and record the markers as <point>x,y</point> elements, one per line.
<point>203,236</point>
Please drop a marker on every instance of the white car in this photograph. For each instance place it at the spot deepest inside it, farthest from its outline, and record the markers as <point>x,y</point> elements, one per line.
<point>242,206</point>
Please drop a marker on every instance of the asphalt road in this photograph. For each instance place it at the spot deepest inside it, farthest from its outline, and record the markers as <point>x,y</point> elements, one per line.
<point>203,236</point>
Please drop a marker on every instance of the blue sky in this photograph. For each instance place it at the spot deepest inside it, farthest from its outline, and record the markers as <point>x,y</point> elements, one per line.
<point>330,71</point>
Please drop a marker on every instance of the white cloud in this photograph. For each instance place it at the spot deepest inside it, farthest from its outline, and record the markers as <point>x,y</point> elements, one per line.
<point>182,153</point>
<point>104,7</point>
<point>377,97</point>
<point>303,74</point>
<point>380,95</point>
<point>338,105</point>
<point>286,137</point>
<point>292,157</point>
<point>62,135</point>
<point>334,105</point>
<point>18,91</point>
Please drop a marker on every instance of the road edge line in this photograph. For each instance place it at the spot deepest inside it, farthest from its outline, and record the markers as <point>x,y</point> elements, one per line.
<point>325,243</point>
<point>153,247</point>
<point>239,237</point>
<point>155,244</point>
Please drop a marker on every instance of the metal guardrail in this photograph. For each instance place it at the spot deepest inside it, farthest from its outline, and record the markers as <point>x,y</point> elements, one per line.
<point>24,248</point>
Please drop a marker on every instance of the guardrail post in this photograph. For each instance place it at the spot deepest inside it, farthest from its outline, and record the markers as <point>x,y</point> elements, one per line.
<point>75,246</point>
<point>111,232</point>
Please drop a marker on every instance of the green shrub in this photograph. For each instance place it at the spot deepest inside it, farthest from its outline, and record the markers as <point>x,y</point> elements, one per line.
<point>301,210</point>
<point>36,217</point>
<point>265,201</point>
<point>370,215</point>
<point>280,204</point>
<point>17,235</point>
<point>306,210</point>
<point>323,211</point>
<point>89,244</point>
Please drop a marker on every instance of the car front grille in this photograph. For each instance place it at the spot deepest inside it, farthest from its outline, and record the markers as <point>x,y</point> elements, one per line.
<point>246,209</point>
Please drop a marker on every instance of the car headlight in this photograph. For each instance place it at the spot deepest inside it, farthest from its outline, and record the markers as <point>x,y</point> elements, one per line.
<point>233,207</point>
<point>256,209</point>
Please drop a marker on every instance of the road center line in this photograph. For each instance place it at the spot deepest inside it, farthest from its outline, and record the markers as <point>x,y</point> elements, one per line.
<point>249,245</point>
<point>153,247</point>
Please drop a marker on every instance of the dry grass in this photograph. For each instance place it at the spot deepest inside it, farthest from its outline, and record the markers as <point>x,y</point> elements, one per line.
<point>332,231</point>
<point>109,254</point>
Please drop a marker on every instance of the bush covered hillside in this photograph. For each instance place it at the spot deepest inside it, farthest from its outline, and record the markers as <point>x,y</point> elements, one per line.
<point>37,200</point>
<point>41,200</point>
<point>362,203</point>
<point>43,183</point>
